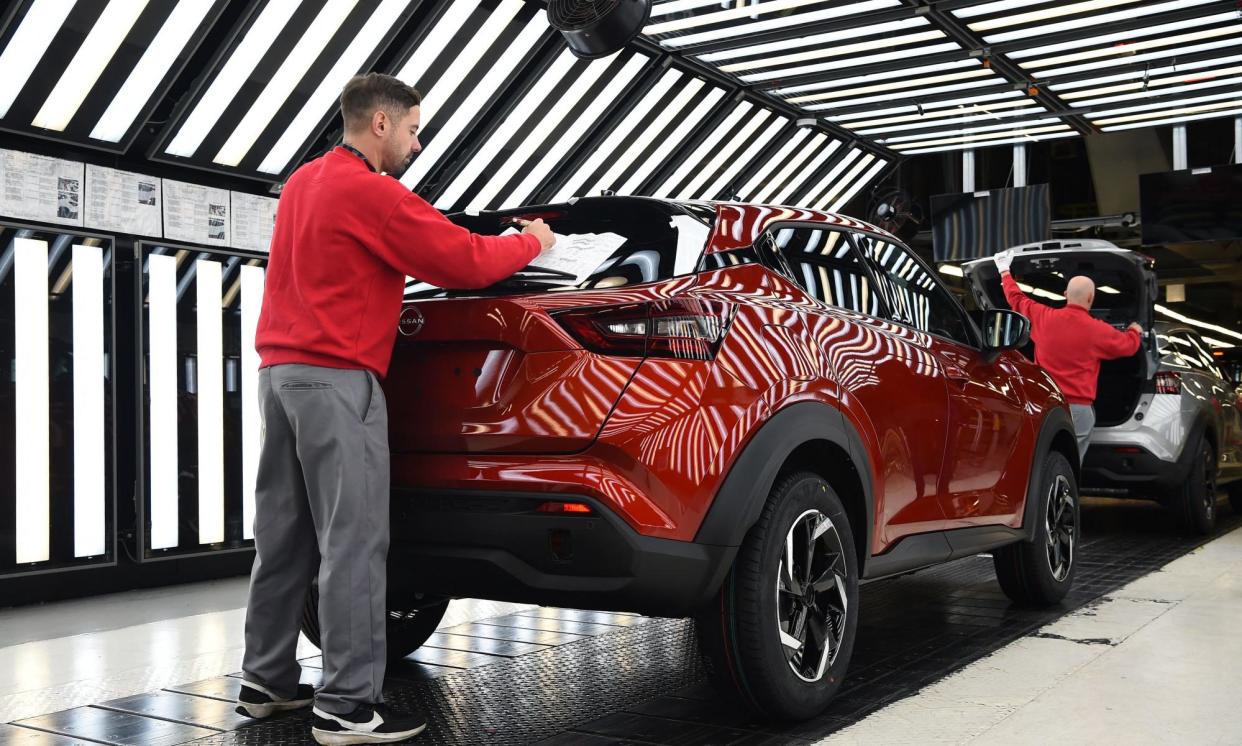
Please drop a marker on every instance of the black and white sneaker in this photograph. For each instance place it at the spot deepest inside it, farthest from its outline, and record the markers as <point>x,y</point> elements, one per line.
<point>366,724</point>
<point>257,701</point>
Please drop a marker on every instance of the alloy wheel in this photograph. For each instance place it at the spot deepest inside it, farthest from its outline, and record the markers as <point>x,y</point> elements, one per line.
<point>1059,524</point>
<point>811,600</point>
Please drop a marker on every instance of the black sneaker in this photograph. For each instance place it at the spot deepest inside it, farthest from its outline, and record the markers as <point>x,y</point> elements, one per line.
<point>257,701</point>
<point>366,724</point>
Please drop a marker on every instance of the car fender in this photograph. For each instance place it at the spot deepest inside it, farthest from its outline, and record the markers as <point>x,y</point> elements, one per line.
<point>1057,420</point>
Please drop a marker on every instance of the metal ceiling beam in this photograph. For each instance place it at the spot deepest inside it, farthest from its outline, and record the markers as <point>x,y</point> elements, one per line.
<point>958,31</point>
<point>795,32</point>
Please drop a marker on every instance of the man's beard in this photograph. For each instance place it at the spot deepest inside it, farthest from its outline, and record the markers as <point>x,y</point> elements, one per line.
<point>402,165</point>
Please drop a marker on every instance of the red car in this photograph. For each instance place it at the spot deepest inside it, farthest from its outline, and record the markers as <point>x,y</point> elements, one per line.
<point>739,415</point>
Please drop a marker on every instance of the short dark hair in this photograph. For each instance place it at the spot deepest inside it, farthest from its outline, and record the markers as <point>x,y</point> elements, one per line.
<point>363,94</point>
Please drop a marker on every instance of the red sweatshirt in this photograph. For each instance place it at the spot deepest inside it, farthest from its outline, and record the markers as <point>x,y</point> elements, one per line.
<point>344,241</point>
<point>1070,342</point>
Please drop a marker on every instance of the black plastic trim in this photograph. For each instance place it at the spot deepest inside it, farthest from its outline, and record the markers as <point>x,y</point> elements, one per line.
<point>924,550</point>
<point>1057,420</point>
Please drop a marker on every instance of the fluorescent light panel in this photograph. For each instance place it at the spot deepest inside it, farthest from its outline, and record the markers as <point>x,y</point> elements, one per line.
<point>481,94</point>
<point>1135,59</point>
<point>1060,9</point>
<point>1006,126</point>
<point>755,27</point>
<point>844,182</point>
<point>750,10</point>
<point>89,378</point>
<point>232,76</point>
<point>1178,69</point>
<point>709,145</point>
<point>829,39</point>
<point>448,28</point>
<point>800,156</point>
<point>1163,107</point>
<point>284,81</point>
<point>252,280</point>
<point>1014,109</point>
<point>28,45</point>
<point>1128,50</point>
<point>676,137</point>
<point>736,164</point>
<point>1122,36</point>
<point>32,529</point>
<point>931,106</point>
<point>915,75</point>
<point>888,96</point>
<point>88,63</point>
<point>617,138</point>
<point>210,395</point>
<point>979,138</point>
<point>799,183</point>
<point>725,153</point>
<point>1233,77</point>
<point>749,190</point>
<point>680,6</point>
<point>648,134</point>
<point>611,93</point>
<point>172,38</point>
<point>162,404</point>
<point>326,95</point>
<point>831,178</point>
<point>900,54</point>
<point>969,145</point>
<point>1214,111</point>
<point>858,185</point>
<point>1145,9</point>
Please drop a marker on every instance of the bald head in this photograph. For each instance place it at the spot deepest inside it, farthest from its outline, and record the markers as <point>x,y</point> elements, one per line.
<point>1080,292</point>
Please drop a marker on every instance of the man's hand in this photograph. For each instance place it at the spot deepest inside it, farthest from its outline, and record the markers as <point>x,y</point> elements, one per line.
<point>540,230</point>
<point>1134,326</point>
<point>1003,260</point>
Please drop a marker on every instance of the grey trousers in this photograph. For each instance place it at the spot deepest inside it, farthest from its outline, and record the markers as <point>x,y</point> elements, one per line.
<point>321,506</point>
<point>1084,423</point>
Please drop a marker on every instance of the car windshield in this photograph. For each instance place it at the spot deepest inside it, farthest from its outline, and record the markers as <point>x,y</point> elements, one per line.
<point>654,241</point>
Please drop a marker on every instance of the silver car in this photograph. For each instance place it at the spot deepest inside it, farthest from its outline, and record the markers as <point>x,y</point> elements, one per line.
<point>1167,427</point>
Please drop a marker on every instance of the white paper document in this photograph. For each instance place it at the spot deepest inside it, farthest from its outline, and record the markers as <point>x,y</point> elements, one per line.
<point>123,201</point>
<point>38,187</point>
<point>253,219</point>
<point>196,213</point>
<point>579,254</point>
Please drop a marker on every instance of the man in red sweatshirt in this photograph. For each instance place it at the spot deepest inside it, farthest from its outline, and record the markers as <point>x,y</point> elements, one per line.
<point>1070,342</point>
<point>347,234</point>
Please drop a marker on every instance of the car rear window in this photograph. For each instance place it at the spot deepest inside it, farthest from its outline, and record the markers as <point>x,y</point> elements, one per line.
<point>662,241</point>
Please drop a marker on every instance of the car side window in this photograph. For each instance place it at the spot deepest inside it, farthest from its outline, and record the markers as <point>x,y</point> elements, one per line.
<point>913,294</point>
<point>827,267</point>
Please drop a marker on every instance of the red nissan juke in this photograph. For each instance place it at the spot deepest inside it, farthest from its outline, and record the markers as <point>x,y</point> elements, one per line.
<point>739,415</point>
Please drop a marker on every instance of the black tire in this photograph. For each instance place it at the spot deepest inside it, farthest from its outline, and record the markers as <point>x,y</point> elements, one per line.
<point>407,628</point>
<point>740,634</point>
<point>1041,571</point>
<point>1194,501</point>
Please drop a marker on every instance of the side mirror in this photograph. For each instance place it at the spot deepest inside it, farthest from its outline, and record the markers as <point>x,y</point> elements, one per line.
<point>1005,330</point>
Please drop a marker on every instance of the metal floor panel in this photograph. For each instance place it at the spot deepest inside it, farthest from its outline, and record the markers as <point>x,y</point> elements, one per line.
<point>555,677</point>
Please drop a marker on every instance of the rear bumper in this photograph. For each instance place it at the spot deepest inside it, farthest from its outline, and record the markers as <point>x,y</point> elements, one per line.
<point>1126,468</point>
<point>495,545</point>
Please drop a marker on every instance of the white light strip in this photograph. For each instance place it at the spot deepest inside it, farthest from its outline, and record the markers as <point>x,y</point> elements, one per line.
<point>1185,87</point>
<point>32,438</point>
<point>1225,100</point>
<point>162,406</point>
<point>89,379</point>
<point>28,45</point>
<point>1128,50</point>
<point>1005,126</point>
<point>736,164</point>
<point>900,54</point>
<point>709,145</point>
<point>1165,311</point>
<point>233,75</point>
<point>448,28</point>
<point>675,138</point>
<point>798,185</point>
<point>748,10</point>
<point>612,92</point>
<point>999,112</point>
<point>886,89</point>
<point>818,140</point>
<point>749,189</point>
<point>1135,59</point>
<point>513,124</point>
<point>740,29</point>
<point>209,392</point>
<point>329,90</point>
<point>966,146</point>
<point>1172,120</point>
<point>913,77</point>
<point>88,63</point>
<point>831,178</point>
<point>284,81</point>
<point>1139,75</point>
<point>981,138</point>
<point>648,134</point>
<point>930,106</point>
<point>252,280</point>
<point>858,186</point>
<point>841,50</point>
<point>172,39</point>
<point>481,94</point>
<point>724,154</point>
<point>1121,36</point>
<point>1145,9</point>
<point>617,138</point>
<point>1060,9</point>
<point>820,41</point>
<point>844,182</point>
<point>680,6</point>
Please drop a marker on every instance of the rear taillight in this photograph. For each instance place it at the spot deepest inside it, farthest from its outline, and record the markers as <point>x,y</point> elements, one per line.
<point>682,328</point>
<point>1168,382</point>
